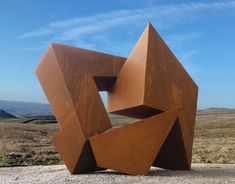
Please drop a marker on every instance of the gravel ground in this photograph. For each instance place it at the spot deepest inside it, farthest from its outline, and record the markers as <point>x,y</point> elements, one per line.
<point>200,173</point>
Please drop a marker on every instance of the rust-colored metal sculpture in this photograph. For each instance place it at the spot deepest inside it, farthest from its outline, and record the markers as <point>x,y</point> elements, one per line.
<point>150,85</point>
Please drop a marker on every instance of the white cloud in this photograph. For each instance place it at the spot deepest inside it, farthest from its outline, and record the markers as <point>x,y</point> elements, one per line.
<point>184,45</point>
<point>178,41</point>
<point>40,32</point>
<point>30,49</point>
<point>77,27</point>
<point>95,29</point>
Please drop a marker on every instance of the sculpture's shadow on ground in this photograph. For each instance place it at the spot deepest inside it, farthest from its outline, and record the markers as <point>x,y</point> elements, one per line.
<point>210,172</point>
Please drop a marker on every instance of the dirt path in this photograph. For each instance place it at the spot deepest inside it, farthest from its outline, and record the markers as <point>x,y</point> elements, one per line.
<point>200,173</point>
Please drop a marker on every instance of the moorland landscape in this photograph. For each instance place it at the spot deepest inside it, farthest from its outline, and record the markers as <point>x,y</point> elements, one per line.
<point>25,137</point>
<point>171,53</point>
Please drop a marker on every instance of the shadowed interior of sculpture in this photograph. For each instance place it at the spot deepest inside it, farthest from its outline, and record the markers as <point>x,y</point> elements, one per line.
<point>172,154</point>
<point>104,83</point>
<point>140,112</point>
<point>86,159</point>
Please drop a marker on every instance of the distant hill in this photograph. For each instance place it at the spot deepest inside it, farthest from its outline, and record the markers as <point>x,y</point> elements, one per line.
<point>5,115</point>
<point>40,109</point>
<point>215,111</point>
<point>24,108</point>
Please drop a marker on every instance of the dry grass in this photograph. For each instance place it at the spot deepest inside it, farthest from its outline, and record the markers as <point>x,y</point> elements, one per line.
<point>215,138</point>
<point>29,144</point>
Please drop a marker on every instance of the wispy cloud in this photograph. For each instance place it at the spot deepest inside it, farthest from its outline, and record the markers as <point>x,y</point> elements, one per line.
<point>180,43</point>
<point>30,49</point>
<point>77,27</point>
<point>40,32</point>
<point>93,32</point>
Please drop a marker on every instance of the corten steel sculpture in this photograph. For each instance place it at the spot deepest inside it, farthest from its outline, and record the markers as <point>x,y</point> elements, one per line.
<point>150,85</point>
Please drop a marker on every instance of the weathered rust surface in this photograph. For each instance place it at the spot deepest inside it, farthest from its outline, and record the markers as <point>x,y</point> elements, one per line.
<point>132,148</point>
<point>150,85</point>
<point>153,78</point>
<point>67,77</point>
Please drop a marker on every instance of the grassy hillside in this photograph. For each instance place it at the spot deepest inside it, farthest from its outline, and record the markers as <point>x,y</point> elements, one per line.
<point>25,142</point>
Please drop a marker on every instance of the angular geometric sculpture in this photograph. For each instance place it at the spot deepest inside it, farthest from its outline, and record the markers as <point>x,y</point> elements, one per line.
<point>150,85</point>
<point>133,148</point>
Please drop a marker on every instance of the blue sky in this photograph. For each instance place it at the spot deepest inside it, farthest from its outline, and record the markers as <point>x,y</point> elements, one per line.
<point>200,33</point>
